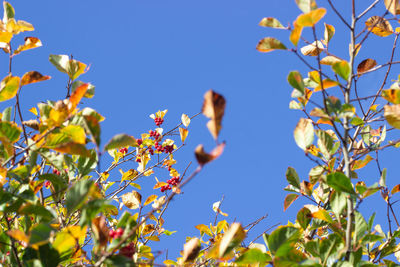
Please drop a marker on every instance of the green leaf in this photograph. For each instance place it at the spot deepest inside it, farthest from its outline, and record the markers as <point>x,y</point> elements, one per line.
<point>271,23</point>
<point>304,133</point>
<point>10,130</point>
<point>325,143</point>
<point>371,222</point>
<point>304,217</point>
<point>49,256</point>
<point>296,81</point>
<point>120,261</point>
<point>252,256</point>
<point>232,238</point>
<point>361,227</point>
<point>9,12</point>
<point>9,87</point>
<point>338,203</point>
<point>269,44</point>
<point>340,183</point>
<point>77,195</point>
<point>6,115</point>
<point>306,5</point>
<point>382,180</point>
<point>292,177</point>
<point>281,236</point>
<point>40,234</point>
<point>342,69</point>
<point>38,210</point>
<point>69,66</point>
<point>120,140</point>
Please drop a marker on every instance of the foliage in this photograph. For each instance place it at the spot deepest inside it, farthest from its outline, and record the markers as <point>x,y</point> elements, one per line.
<point>59,208</point>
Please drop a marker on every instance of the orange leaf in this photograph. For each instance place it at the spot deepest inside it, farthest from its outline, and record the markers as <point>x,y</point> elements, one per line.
<point>77,95</point>
<point>395,189</point>
<point>289,199</point>
<point>214,109</point>
<point>33,77</point>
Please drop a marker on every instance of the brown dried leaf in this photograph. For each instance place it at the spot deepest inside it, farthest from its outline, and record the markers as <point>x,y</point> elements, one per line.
<point>132,200</point>
<point>214,108</point>
<point>204,157</point>
<point>34,124</point>
<point>379,26</point>
<point>365,65</point>
<point>313,49</point>
<point>100,230</point>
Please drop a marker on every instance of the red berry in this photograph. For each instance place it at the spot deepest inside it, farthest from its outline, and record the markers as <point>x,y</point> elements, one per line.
<point>128,251</point>
<point>119,232</point>
<point>158,121</point>
<point>151,151</point>
<point>111,233</point>
<point>47,184</point>
<point>138,160</point>
<point>139,141</point>
<point>56,172</point>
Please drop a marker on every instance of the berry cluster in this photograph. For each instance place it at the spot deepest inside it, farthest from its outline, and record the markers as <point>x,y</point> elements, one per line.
<point>165,188</point>
<point>56,172</point>
<point>47,184</point>
<point>123,150</point>
<point>173,181</point>
<point>151,151</point>
<point>168,148</point>
<point>138,159</point>
<point>128,251</point>
<point>154,134</point>
<point>117,233</point>
<point>158,147</point>
<point>158,121</point>
<point>139,141</point>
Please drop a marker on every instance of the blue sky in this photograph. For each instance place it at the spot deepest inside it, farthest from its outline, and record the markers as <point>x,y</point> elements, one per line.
<point>151,55</point>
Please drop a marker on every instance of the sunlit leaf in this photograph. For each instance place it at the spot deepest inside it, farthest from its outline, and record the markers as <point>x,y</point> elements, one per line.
<point>328,33</point>
<point>150,199</point>
<point>204,229</point>
<point>252,256</point>
<point>204,157</point>
<point>392,115</point>
<point>289,199</point>
<point>89,92</point>
<point>183,133</point>
<point>191,249</point>
<point>330,60</point>
<point>311,18</point>
<point>73,148</point>
<point>9,11</point>
<point>30,43</point>
<point>271,23</point>
<point>281,236</point>
<point>16,27</point>
<point>185,120</point>
<point>232,238</point>
<point>33,77</point>
<point>75,132</point>
<point>10,130</point>
<point>379,26</point>
<point>304,133</point>
<point>358,164</point>
<point>326,83</point>
<point>306,5</point>
<point>392,95</point>
<point>395,189</point>
<point>69,237</point>
<point>18,235</point>
<point>132,200</point>
<point>313,49</point>
<point>9,87</point>
<point>322,215</point>
<point>69,66</point>
<point>5,37</point>
<point>217,208</point>
<point>77,95</point>
<point>393,6</point>
<point>295,34</point>
<point>342,68</point>
<point>269,44</point>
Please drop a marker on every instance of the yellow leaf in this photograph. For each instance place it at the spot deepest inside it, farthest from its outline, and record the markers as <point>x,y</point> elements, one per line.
<point>15,27</point>
<point>159,185</point>
<point>33,77</point>
<point>69,237</point>
<point>322,215</point>
<point>129,175</point>
<point>18,235</point>
<point>379,26</point>
<point>34,111</point>
<point>295,34</point>
<point>204,229</point>
<point>132,200</point>
<point>184,133</point>
<point>148,173</point>
<point>152,238</point>
<point>311,18</point>
<point>392,95</point>
<point>269,44</point>
<point>185,120</point>
<point>5,37</point>
<point>9,87</point>
<point>392,115</point>
<point>76,133</point>
<point>150,199</point>
<point>328,33</point>
<point>358,164</point>
<point>327,83</point>
<point>159,114</point>
<point>30,43</point>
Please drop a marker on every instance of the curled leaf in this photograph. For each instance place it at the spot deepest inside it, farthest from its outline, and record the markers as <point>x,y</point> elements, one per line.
<point>132,200</point>
<point>379,26</point>
<point>216,208</point>
<point>185,120</point>
<point>313,49</point>
<point>204,157</point>
<point>183,133</point>
<point>30,43</point>
<point>214,109</point>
